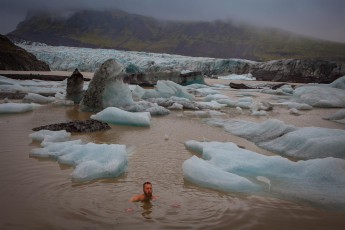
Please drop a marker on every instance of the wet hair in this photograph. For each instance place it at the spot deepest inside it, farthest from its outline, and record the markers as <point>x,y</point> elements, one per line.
<point>147,182</point>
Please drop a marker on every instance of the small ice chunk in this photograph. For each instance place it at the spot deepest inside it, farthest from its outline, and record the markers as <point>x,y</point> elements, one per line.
<point>113,115</point>
<point>17,107</point>
<point>37,98</point>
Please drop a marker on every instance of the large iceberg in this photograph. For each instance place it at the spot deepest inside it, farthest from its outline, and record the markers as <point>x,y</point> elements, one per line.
<point>91,161</point>
<point>309,143</point>
<point>107,88</point>
<point>288,140</point>
<point>226,167</point>
<point>320,96</point>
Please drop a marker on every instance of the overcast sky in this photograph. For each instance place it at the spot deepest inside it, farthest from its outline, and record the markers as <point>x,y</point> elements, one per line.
<point>318,18</point>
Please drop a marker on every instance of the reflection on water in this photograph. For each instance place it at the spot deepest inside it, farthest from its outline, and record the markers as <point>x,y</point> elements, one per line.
<point>39,194</point>
<point>147,209</point>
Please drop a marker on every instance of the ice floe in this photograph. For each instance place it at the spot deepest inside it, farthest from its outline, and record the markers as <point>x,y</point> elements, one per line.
<point>226,167</point>
<point>91,161</point>
<point>113,115</point>
<point>17,107</point>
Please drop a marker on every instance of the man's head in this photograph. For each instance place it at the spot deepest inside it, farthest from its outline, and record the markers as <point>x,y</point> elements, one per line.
<point>147,188</point>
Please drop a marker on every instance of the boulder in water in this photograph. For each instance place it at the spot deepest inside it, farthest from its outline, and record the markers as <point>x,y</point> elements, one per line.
<point>107,88</point>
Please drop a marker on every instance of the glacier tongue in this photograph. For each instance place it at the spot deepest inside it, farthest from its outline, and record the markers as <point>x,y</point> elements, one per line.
<point>86,59</point>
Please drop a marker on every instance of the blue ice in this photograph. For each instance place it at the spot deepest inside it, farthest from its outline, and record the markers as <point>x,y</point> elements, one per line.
<point>318,180</point>
<point>91,161</point>
<point>113,115</point>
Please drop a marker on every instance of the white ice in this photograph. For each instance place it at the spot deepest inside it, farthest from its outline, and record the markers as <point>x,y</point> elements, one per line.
<point>309,143</point>
<point>91,161</point>
<point>17,107</point>
<point>167,89</point>
<point>88,60</point>
<point>320,96</point>
<point>245,77</point>
<point>316,180</point>
<point>255,132</point>
<point>276,136</point>
<point>339,116</point>
<point>113,115</point>
<point>37,98</point>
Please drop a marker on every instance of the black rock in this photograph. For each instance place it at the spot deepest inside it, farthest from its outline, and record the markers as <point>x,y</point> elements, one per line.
<point>86,126</point>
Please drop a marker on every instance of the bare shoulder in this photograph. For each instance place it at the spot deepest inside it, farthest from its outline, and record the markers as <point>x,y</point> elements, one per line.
<point>137,198</point>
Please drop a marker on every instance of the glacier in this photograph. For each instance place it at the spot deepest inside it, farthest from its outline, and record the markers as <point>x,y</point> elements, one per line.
<point>87,59</point>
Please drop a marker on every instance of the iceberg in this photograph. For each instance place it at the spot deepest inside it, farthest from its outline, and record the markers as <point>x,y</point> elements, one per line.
<point>339,116</point>
<point>17,107</point>
<point>37,98</point>
<point>339,83</point>
<point>167,89</point>
<point>113,115</point>
<point>207,175</point>
<point>107,89</point>
<point>309,143</point>
<point>315,180</point>
<point>320,96</point>
<point>91,161</point>
<point>255,132</point>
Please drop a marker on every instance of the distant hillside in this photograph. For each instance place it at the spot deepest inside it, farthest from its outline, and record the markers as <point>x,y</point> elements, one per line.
<point>13,57</point>
<point>120,30</point>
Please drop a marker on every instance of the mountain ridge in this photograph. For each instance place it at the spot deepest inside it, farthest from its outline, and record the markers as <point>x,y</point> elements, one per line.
<point>219,39</point>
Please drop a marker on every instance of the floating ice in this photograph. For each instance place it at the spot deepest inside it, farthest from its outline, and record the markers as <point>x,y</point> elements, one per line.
<point>113,115</point>
<point>309,143</point>
<point>44,136</point>
<point>255,132</point>
<point>37,98</point>
<point>207,175</point>
<point>316,180</point>
<point>146,106</point>
<point>215,97</point>
<point>245,77</point>
<point>320,96</point>
<point>17,107</point>
<point>295,105</point>
<point>339,116</point>
<point>210,105</point>
<point>204,114</point>
<point>167,89</point>
<point>91,161</point>
<point>31,86</point>
<point>339,83</point>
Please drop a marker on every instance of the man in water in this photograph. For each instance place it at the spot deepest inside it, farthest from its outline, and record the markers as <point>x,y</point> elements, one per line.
<point>146,196</point>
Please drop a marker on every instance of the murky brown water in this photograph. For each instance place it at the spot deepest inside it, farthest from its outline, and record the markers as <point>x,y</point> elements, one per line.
<point>39,194</point>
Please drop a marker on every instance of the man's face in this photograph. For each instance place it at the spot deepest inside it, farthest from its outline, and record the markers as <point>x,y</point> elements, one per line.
<point>148,190</point>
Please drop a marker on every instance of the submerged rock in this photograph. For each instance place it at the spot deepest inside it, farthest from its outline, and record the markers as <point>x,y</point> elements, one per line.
<point>86,126</point>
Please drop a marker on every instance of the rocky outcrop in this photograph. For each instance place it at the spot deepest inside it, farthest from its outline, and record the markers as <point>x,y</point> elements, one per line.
<point>13,57</point>
<point>300,71</point>
<point>76,126</point>
<point>74,89</point>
